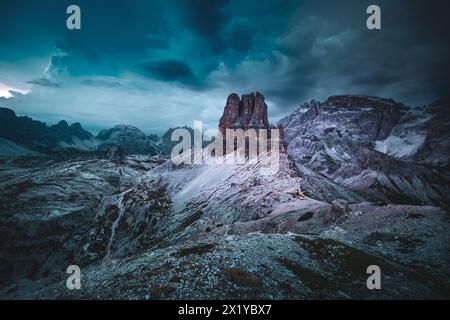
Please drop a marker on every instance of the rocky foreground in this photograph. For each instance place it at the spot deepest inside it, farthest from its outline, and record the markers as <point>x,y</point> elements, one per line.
<point>141,227</point>
<point>143,230</point>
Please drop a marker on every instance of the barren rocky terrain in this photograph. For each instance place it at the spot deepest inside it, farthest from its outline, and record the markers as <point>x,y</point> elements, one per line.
<point>364,181</point>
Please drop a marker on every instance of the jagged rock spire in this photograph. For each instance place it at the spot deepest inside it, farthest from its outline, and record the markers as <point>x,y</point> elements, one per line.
<point>250,111</point>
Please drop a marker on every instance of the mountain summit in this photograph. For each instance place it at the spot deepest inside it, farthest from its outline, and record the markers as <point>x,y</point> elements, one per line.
<point>250,111</point>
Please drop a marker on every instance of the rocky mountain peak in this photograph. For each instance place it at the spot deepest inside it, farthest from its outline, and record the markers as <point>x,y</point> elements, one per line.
<point>76,125</point>
<point>249,111</point>
<point>5,112</point>
<point>368,117</point>
<point>130,138</point>
<point>66,133</point>
<point>362,101</point>
<point>61,124</point>
<point>121,131</point>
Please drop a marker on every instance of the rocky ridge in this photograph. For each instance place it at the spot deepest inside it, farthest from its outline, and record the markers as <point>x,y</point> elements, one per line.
<point>61,137</point>
<point>375,147</point>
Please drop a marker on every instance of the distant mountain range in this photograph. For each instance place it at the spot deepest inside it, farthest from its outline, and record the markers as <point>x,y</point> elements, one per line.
<point>30,136</point>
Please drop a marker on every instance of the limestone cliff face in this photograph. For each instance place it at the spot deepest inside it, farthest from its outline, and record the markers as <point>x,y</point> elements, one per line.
<point>249,111</point>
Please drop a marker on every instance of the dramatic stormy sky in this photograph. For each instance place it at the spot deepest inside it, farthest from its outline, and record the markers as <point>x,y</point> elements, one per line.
<point>156,64</point>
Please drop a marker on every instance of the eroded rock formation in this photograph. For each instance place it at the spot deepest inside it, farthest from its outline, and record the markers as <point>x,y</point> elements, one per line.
<point>250,111</point>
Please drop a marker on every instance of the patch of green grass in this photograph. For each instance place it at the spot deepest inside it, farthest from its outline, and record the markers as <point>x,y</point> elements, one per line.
<point>197,250</point>
<point>242,277</point>
<point>176,279</point>
<point>308,277</point>
<point>154,272</point>
<point>416,216</point>
<point>162,292</point>
<point>340,258</point>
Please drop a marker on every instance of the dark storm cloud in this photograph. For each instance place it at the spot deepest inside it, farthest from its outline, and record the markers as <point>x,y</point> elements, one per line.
<point>44,82</point>
<point>207,18</point>
<point>329,51</point>
<point>290,50</point>
<point>169,70</point>
<point>239,35</point>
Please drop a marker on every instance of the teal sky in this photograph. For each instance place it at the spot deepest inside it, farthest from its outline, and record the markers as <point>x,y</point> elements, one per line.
<point>160,64</point>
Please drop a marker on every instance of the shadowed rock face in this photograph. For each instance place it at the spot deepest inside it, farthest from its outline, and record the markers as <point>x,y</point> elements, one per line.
<point>25,131</point>
<point>37,135</point>
<point>248,112</point>
<point>65,138</point>
<point>66,133</point>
